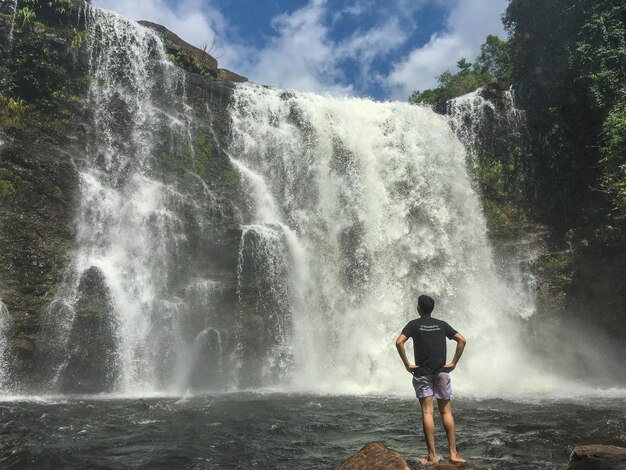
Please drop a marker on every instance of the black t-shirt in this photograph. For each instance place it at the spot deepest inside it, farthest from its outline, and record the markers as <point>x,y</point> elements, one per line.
<point>429,343</point>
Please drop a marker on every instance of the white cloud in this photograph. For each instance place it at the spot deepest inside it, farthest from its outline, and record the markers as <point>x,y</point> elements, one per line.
<point>468,24</point>
<point>300,56</point>
<point>304,56</point>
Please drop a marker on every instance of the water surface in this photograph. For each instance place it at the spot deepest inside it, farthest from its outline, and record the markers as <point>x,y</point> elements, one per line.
<point>268,431</point>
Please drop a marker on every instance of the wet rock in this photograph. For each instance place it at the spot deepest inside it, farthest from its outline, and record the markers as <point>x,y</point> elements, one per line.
<point>23,347</point>
<point>229,76</point>
<point>91,367</point>
<point>375,456</point>
<point>597,457</point>
<point>175,44</point>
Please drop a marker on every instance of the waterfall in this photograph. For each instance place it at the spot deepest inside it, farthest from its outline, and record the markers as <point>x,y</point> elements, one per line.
<point>12,27</point>
<point>133,223</point>
<point>380,207</point>
<point>5,321</point>
<point>475,118</point>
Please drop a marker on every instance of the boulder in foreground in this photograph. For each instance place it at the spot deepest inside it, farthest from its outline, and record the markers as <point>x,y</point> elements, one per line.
<point>597,457</point>
<point>375,456</point>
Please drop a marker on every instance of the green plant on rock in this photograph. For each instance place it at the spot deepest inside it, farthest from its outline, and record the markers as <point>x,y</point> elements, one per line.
<point>56,11</point>
<point>12,111</point>
<point>186,62</point>
<point>80,39</point>
<point>26,17</point>
<point>7,190</point>
<point>38,78</point>
<point>203,153</point>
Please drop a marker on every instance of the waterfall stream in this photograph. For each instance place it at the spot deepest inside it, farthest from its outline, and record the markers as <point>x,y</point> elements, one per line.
<point>12,27</point>
<point>132,231</point>
<point>379,202</point>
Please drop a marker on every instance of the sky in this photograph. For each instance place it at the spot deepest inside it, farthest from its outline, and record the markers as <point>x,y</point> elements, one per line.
<point>383,49</point>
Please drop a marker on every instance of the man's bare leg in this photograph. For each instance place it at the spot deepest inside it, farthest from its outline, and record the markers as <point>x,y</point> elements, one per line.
<point>428,424</point>
<point>445,408</point>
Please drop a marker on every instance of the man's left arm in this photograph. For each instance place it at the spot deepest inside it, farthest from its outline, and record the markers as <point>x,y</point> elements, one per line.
<point>460,346</point>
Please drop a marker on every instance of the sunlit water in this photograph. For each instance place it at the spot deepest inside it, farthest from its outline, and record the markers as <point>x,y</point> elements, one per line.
<point>270,431</point>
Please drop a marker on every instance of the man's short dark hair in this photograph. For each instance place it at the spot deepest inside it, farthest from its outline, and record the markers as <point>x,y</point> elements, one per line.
<point>426,304</point>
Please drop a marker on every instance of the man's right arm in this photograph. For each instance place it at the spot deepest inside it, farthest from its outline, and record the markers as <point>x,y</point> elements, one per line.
<point>402,352</point>
<point>460,346</point>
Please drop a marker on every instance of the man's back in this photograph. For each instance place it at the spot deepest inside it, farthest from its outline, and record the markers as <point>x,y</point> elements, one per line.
<point>429,343</point>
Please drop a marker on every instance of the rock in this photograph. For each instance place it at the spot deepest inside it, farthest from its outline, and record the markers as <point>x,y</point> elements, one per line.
<point>230,76</point>
<point>597,457</point>
<point>23,347</point>
<point>174,44</point>
<point>91,366</point>
<point>375,456</point>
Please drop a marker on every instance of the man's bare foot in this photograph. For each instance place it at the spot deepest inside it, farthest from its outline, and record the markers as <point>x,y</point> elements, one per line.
<point>456,458</point>
<point>430,460</point>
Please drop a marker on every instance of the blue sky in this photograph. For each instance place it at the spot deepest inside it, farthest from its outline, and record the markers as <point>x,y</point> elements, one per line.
<point>378,48</point>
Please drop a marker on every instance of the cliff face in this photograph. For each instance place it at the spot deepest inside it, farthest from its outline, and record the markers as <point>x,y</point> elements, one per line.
<point>49,129</point>
<point>577,268</point>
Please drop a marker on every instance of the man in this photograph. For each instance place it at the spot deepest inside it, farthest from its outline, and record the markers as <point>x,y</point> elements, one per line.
<point>430,371</point>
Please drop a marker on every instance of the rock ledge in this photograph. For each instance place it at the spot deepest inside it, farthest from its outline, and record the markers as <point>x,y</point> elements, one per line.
<point>597,457</point>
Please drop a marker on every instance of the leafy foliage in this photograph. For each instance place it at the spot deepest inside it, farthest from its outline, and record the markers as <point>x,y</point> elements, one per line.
<point>451,85</point>
<point>25,16</point>
<point>568,60</point>
<point>39,80</point>
<point>614,154</point>
<point>492,64</point>
<point>49,11</point>
<point>190,64</point>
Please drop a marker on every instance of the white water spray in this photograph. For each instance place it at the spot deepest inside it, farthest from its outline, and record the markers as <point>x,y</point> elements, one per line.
<point>5,321</point>
<point>12,27</point>
<point>378,198</point>
<point>471,114</point>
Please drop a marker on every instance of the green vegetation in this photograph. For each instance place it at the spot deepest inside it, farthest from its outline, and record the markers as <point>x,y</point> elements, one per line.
<point>501,196</point>
<point>204,153</point>
<point>191,64</point>
<point>7,190</point>
<point>491,65</point>
<point>8,181</point>
<point>26,17</point>
<point>613,154</point>
<point>48,11</point>
<point>569,61</point>
<point>39,81</point>
<point>80,39</point>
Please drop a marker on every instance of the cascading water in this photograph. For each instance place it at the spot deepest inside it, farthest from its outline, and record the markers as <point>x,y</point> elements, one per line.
<point>472,115</point>
<point>488,123</point>
<point>4,326</point>
<point>12,27</point>
<point>132,238</point>
<point>379,201</point>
